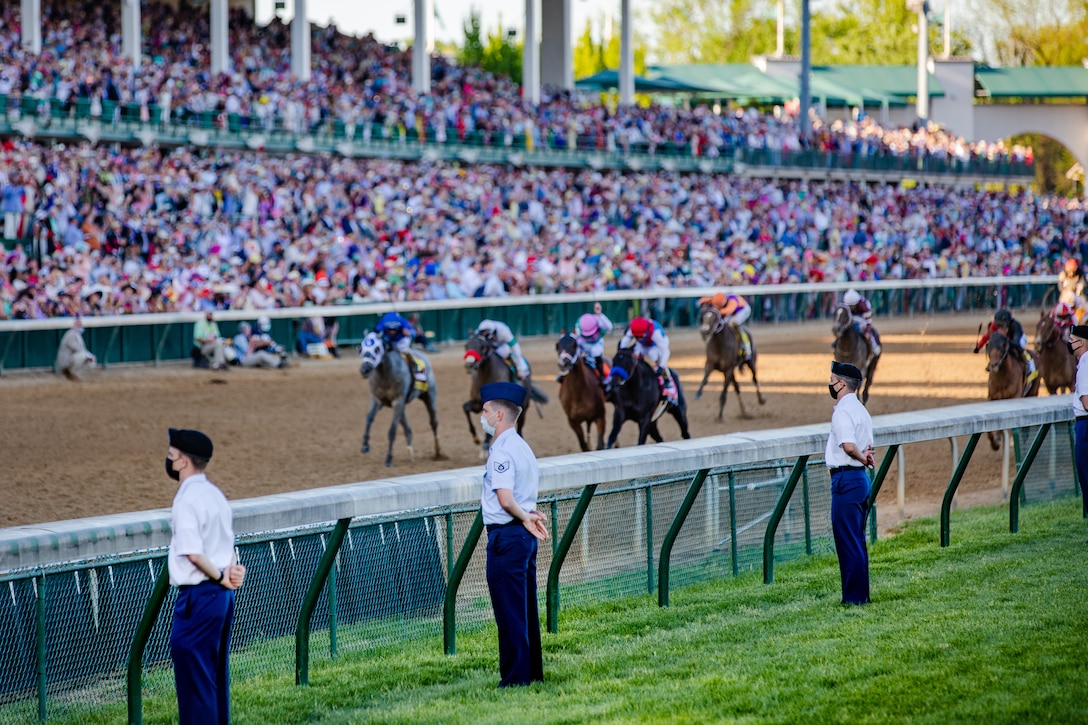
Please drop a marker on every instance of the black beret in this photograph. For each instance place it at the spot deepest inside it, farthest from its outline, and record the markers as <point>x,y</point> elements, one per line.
<point>1080,331</point>
<point>846,371</point>
<point>510,392</point>
<point>191,442</point>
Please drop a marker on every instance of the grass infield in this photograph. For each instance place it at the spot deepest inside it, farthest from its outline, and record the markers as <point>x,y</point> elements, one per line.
<point>991,629</point>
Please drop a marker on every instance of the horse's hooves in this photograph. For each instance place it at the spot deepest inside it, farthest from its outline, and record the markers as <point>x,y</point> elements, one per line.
<point>483,455</point>
<point>762,400</point>
<point>411,452</point>
<point>365,449</point>
<point>441,457</point>
<point>698,395</point>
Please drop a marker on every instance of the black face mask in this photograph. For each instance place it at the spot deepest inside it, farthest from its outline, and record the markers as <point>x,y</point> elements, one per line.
<point>831,389</point>
<point>1070,346</point>
<point>176,475</point>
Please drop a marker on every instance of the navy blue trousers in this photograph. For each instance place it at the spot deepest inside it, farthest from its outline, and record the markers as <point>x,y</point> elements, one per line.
<point>849,507</point>
<point>511,579</point>
<point>1080,456</point>
<point>200,647</point>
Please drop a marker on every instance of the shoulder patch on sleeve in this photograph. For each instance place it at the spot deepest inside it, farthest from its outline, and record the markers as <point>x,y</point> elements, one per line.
<point>501,466</point>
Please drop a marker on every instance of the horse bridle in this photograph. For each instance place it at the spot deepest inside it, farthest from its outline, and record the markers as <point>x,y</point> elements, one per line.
<point>490,349</point>
<point>568,360</point>
<point>993,367</point>
<point>719,323</point>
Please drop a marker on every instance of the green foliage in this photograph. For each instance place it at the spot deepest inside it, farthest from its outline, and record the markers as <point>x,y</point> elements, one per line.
<point>472,51</point>
<point>496,55</point>
<point>987,630</point>
<point>1052,162</point>
<point>592,56</point>
<point>1043,32</point>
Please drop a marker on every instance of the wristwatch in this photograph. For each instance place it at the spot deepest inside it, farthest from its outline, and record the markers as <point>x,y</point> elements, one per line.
<point>222,573</point>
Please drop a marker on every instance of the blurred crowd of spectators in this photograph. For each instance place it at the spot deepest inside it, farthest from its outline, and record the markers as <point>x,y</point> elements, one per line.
<point>145,230</point>
<point>361,87</point>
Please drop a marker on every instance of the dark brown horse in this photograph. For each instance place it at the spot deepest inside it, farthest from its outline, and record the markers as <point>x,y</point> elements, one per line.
<point>1057,366</point>
<point>723,354</point>
<point>487,366</point>
<point>581,393</point>
<point>851,346</point>
<point>1006,381</point>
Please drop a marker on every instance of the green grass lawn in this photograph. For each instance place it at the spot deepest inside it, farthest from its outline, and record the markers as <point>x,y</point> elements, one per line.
<point>991,629</point>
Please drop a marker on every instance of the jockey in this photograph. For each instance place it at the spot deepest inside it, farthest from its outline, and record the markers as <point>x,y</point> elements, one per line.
<point>1071,285</point>
<point>650,343</point>
<point>863,316</point>
<point>506,345</point>
<point>1012,329</point>
<point>395,330</point>
<point>590,332</point>
<point>735,311</point>
<point>1064,318</point>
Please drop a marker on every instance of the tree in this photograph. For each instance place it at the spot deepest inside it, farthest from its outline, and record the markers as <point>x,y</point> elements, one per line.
<point>591,56</point>
<point>498,55</point>
<point>472,52</point>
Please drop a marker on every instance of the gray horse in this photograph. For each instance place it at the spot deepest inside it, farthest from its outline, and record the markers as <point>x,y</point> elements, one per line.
<point>392,385</point>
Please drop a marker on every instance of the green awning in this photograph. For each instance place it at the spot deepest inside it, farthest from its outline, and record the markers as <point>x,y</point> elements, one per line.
<point>894,82</point>
<point>1033,82</point>
<point>608,79</point>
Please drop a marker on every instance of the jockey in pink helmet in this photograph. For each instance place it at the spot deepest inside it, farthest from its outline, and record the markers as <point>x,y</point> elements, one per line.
<point>590,332</point>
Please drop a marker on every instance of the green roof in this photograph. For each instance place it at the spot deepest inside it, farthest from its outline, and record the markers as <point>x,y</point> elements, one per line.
<point>900,81</point>
<point>1033,81</point>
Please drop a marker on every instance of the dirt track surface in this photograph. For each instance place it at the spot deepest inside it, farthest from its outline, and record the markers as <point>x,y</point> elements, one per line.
<point>83,449</point>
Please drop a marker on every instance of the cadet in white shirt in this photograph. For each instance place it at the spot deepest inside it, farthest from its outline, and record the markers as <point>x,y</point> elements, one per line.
<point>1078,344</point>
<point>203,567</point>
<point>849,452</point>
<point>508,507</point>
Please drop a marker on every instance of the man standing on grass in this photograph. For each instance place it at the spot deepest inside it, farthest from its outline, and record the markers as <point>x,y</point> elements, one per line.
<point>508,506</point>
<point>1078,344</point>
<point>849,452</point>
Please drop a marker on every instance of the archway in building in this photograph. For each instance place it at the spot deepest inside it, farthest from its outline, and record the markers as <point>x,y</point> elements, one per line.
<point>1057,133</point>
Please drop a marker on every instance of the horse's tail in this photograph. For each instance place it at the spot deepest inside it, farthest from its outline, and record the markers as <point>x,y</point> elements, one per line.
<point>537,395</point>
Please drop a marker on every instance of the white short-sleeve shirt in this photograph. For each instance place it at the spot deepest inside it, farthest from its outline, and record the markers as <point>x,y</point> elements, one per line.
<point>850,423</point>
<point>200,523</point>
<point>510,465</point>
<point>1081,386</point>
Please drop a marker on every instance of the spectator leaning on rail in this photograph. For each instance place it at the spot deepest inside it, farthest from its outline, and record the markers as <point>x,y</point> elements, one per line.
<point>1078,345</point>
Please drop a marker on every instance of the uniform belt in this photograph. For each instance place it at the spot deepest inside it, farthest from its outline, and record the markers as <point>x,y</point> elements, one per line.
<point>844,469</point>
<point>496,527</point>
<point>1080,417</point>
<point>184,587</point>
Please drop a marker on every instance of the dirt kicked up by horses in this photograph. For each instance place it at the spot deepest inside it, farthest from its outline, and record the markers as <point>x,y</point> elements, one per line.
<point>393,385</point>
<point>723,354</point>
<point>852,347</point>
<point>485,365</point>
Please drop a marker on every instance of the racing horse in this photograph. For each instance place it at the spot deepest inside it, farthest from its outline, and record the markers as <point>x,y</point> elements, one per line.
<point>581,394</point>
<point>851,346</point>
<point>723,354</point>
<point>487,366</point>
<point>1057,366</point>
<point>635,396</point>
<point>392,385</point>
<point>1006,377</point>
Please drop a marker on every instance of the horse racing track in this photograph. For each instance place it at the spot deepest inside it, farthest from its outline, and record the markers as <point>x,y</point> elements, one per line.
<point>75,450</point>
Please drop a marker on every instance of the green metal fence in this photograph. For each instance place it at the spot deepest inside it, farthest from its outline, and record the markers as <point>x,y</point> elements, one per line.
<point>156,338</point>
<point>66,630</point>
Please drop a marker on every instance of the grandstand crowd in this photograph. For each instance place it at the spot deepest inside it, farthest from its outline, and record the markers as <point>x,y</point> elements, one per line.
<point>130,230</point>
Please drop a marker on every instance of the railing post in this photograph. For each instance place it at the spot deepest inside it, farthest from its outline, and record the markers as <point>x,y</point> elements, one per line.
<point>1021,476</point>
<point>950,492</point>
<point>554,511</point>
<point>309,602</point>
<point>808,518</point>
<point>649,539</point>
<point>41,652</point>
<point>449,607</point>
<point>674,531</point>
<point>332,610</point>
<point>109,348</point>
<point>449,546</point>
<point>733,523</point>
<point>162,342</point>
<point>776,517</point>
<point>139,643</point>
<point>878,481</point>
<point>575,521</point>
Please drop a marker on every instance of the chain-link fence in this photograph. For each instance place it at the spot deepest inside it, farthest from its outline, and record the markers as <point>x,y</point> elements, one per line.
<point>66,630</point>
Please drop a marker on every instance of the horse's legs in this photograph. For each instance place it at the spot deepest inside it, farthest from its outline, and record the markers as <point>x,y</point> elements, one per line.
<point>600,423</point>
<point>653,431</point>
<point>407,428</point>
<point>617,423</point>
<point>432,411</point>
<point>752,366</point>
<point>577,428</point>
<point>375,406</point>
<point>398,418</point>
<point>736,388</point>
<point>706,374</point>
<point>472,407</point>
<point>723,396</point>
